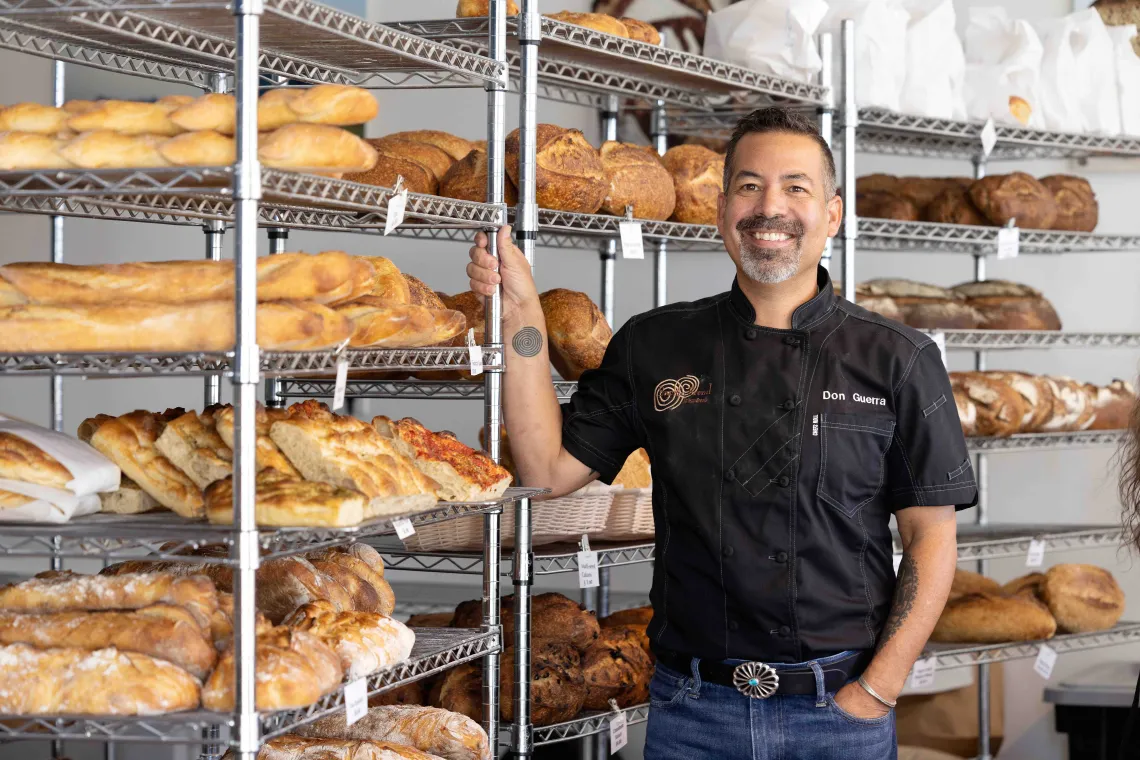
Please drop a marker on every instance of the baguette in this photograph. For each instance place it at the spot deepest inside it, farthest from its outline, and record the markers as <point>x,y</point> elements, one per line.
<point>84,682</point>
<point>201,148</point>
<point>163,631</point>
<point>439,732</point>
<point>268,455</point>
<point>364,641</point>
<point>294,669</point>
<point>24,461</point>
<point>33,117</point>
<point>24,151</point>
<point>195,448</point>
<point>316,147</point>
<point>288,501</point>
<point>275,109</point>
<point>336,104</point>
<point>105,149</point>
<point>389,285</point>
<point>463,473</point>
<point>376,322</point>
<point>127,118</point>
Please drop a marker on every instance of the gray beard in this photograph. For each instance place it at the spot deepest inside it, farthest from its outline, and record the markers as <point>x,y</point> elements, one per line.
<point>761,267</point>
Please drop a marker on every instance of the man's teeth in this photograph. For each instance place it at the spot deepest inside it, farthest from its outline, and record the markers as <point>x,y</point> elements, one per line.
<point>774,236</point>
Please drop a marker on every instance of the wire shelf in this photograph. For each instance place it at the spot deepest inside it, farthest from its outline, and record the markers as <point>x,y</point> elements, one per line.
<point>301,40</point>
<point>587,724</point>
<point>998,340</point>
<point>998,541</point>
<point>273,363</point>
<point>958,656</point>
<point>891,235</point>
<point>176,728</point>
<point>165,535</point>
<point>578,59</point>
<point>435,650</point>
<point>1046,441</point>
<point>421,389</point>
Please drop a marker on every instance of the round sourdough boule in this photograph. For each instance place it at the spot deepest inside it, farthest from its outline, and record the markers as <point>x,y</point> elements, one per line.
<point>1112,404</point>
<point>1018,197</point>
<point>1082,598</point>
<point>1006,305</point>
<point>967,411</point>
<point>460,690</point>
<point>641,30</point>
<point>393,163</point>
<point>568,176</point>
<point>466,180</point>
<point>921,191</point>
<point>953,206</point>
<point>636,178</point>
<point>879,204</point>
<point>431,620</point>
<point>577,332</point>
<point>875,183</point>
<point>558,689</point>
<point>456,147</point>
<point>988,618</point>
<point>698,176</point>
<point>1000,409</point>
<point>1077,209</point>
<point>436,160</point>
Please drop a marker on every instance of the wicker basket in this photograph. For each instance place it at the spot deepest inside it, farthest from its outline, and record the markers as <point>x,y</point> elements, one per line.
<point>563,519</point>
<point>631,516</point>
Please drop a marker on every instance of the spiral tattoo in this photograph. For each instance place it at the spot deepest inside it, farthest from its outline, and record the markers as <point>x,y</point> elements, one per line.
<point>670,393</point>
<point>527,341</point>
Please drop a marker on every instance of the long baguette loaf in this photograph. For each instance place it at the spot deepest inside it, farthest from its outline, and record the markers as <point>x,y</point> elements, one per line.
<point>163,631</point>
<point>291,747</point>
<point>447,734</point>
<point>126,117</point>
<point>104,149</point>
<point>338,104</point>
<point>22,151</point>
<point>82,682</point>
<point>323,278</point>
<point>364,641</point>
<point>33,117</point>
<point>206,326</point>
<point>316,147</point>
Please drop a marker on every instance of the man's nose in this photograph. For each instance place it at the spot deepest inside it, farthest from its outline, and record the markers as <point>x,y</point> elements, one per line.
<point>772,202</point>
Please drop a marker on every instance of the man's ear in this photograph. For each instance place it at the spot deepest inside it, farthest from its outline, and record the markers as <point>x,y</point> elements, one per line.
<point>834,215</point>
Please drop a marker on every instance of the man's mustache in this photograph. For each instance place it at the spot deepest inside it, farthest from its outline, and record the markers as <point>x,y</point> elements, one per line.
<point>759,222</point>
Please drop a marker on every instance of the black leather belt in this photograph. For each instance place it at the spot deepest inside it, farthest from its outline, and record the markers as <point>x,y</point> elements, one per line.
<point>755,679</point>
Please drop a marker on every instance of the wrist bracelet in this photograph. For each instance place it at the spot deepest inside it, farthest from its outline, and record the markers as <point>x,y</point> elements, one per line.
<point>867,688</point>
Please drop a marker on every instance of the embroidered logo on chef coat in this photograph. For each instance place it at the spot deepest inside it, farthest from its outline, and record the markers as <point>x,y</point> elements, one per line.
<point>670,394</point>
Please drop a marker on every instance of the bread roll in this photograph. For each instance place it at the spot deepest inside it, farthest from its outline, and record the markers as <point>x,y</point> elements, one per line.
<point>455,147</point>
<point>438,732</point>
<point>25,151</point>
<point>364,641</point>
<point>698,176</point>
<point>616,667</point>
<point>987,618</point>
<point>953,206</point>
<point>569,175</point>
<point>315,147</point>
<point>268,455</point>
<point>599,22</point>
<point>1077,209</point>
<point>114,150</point>
<point>635,472</point>
<point>1000,409</point>
<point>472,8</point>
<point>294,669</point>
<point>286,501</point>
<point>1016,196</point>
<point>636,179</point>
<point>968,582</point>
<point>204,148</point>
<point>1113,405</point>
<point>883,205</point>
<point>339,105</point>
<point>126,118</point>
<point>577,332</point>
<point>641,31</point>
<point>1008,305</point>
<point>33,117</point>
<point>466,180</point>
<point>79,681</point>
<point>1082,598</point>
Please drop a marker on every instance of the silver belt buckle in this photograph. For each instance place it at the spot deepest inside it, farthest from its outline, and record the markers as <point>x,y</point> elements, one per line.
<point>755,680</point>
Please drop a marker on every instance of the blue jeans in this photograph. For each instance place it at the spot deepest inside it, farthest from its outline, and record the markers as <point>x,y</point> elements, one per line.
<point>691,720</point>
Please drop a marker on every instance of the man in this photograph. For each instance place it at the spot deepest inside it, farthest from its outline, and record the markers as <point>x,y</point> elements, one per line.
<point>785,426</point>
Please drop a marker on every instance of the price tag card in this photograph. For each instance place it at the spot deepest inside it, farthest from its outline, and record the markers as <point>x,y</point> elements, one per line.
<point>1046,659</point>
<point>922,674</point>
<point>1036,555</point>
<point>341,383</point>
<point>989,137</point>
<point>396,205</point>
<point>1009,242</point>
<point>939,339</point>
<point>618,735</point>
<point>355,700</point>
<point>632,245</point>
<point>587,565</point>
<point>474,353</point>
<point>404,528</point>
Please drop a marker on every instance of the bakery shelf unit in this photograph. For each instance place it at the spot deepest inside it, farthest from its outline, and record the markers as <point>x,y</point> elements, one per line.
<point>590,724</point>
<point>374,389</point>
<point>221,46</point>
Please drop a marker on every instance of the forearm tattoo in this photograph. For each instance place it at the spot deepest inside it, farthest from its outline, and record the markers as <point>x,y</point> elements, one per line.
<point>527,341</point>
<point>906,591</point>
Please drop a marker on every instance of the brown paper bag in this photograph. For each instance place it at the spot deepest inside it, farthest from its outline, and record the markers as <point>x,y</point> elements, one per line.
<point>949,721</point>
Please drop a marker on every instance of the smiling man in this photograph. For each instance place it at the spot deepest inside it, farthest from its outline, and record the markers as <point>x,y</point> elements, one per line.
<point>785,426</point>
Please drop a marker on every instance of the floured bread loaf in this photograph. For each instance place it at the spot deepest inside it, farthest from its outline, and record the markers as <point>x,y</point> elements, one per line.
<point>364,641</point>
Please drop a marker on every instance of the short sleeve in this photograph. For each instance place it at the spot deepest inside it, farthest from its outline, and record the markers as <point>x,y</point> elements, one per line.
<point>599,422</point>
<point>928,463</point>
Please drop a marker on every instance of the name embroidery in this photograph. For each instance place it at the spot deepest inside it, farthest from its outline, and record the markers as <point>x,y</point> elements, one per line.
<point>858,397</point>
<point>670,394</point>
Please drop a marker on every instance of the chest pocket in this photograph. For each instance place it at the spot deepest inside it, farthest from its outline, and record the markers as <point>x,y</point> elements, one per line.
<point>852,451</point>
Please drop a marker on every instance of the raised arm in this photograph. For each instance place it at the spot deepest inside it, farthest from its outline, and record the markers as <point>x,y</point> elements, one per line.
<point>533,417</point>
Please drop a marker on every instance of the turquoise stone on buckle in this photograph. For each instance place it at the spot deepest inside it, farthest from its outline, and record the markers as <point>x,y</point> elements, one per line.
<point>755,680</point>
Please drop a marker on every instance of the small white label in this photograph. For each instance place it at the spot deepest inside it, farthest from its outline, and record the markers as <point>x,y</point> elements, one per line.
<point>1046,659</point>
<point>922,674</point>
<point>814,425</point>
<point>355,700</point>
<point>632,245</point>
<point>474,353</point>
<point>404,528</point>
<point>618,735</point>
<point>587,565</point>
<point>939,339</point>
<point>898,562</point>
<point>341,383</point>
<point>989,138</point>
<point>1009,242</point>
<point>396,205</point>
<point>1035,557</point>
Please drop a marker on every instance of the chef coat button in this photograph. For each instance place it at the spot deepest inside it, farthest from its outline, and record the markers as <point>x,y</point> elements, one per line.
<point>751,333</point>
<point>792,340</point>
<point>734,400</point>
<point>727,551</point>
<point>733,625</point>
<point>783,481</point>
<point>781,557</point>
<point>730,475</point>
<point>785,630</point>
<point>788,405</point>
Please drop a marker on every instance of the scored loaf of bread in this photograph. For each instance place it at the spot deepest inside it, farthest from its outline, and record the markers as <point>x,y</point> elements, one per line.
<point>988,618</point>
<point>878,204</point>
<point>554,617</point>
<point>1073,407</point>
<point>577,332</point>
<point>315,147</point>
<point>79,681</point>
<point>33,117</point>
<point>698,176</point>
<point>1113,405</point>
<point>476,8</point>
<point>463,474</point>
<point>364,641</point>
<point>126,117</point>
<point>333,104</point>
<point>1008,305</point>
<point>104,149</point>
<point>569,175</point>
<point>195,448</point>
<point>164,631</point>
<point>1037,393</point>
<point>924,306</point>
<point>1028,585</point>
<point>293,747</point>
<point>394,163</point>
<point>471,306</point>
<point>1000,408</point>
<point>1077,208</point>
<point>637,180</point>
<point>390,284</point>
<point>967,411</point>
<point>466,180</point>
<point>435,159</point>
<point>557,687</point>
<point>641,31</point>
<point>1017,197</point>
<point>23,151</point>
<point>599,22</point>
<point>953,206</point>
<point>371,592</point>
<point>616,667</point>
<point>288,501</point>
<point>268,455</point>
<point>382,323</point>
<point>453,146</point>
<point>1082,598</point>
<point>438,732</point>
<point>921,191</point>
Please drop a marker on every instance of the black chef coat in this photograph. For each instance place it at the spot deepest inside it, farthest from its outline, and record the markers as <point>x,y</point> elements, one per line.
<point>778,457</point>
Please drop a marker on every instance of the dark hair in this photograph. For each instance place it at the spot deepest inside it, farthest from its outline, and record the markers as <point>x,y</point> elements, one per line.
<point>776,119</point>
<point>1130,478</point>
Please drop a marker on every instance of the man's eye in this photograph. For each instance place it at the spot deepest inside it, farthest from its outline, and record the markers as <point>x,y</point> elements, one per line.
<point>749,187</point>
<point>798,189</point>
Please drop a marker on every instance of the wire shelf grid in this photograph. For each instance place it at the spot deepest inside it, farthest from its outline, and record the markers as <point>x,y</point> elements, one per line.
<point>958,656</point>
<point>423,389</point>
<point>587,724</point>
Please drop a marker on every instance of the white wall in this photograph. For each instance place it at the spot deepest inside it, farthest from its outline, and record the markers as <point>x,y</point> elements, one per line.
<point>1091,292</point>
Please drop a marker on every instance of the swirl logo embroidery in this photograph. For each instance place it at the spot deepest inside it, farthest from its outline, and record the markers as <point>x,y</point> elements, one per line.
<point>670,394</point>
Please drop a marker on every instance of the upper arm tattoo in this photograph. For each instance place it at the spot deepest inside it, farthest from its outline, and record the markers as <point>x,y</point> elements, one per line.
<point>906,591</point>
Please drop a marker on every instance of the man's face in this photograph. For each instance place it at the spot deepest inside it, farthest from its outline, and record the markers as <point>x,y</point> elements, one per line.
<point>775,215</point>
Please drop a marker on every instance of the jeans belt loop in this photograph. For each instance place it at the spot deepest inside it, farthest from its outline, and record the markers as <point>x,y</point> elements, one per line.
<point>820,685</point>
<point>695,669</point>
